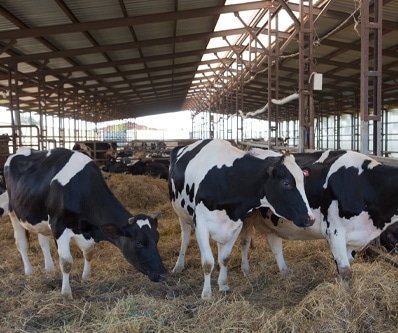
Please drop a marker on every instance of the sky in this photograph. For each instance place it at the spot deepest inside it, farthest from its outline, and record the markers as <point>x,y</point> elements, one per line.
<point>174,121</point>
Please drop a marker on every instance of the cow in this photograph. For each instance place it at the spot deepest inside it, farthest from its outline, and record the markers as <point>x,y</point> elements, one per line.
<point>389,238</point>
<point>114,166</point>
<point>213,185</point>
<point>62,193</point>
<point>99,151</point>
<point>353,198</point>
<point>151,168</point>
<point>3,200</point>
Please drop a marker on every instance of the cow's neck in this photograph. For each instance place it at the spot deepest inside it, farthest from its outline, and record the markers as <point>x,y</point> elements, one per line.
<point>383,193</point>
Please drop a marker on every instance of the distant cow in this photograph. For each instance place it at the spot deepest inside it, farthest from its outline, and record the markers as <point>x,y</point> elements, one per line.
<point>113,166</point>
<point>62,193</point>
<point>3,200</point>
<point>353,197</point>
<point>152,168</point>
<point>213,186</point>
<point>99,151</point>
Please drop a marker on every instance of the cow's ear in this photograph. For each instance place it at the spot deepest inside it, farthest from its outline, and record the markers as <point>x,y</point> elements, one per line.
<point>272,172</point>
<point>111,231</point>
<point>132,220</point>
<point>155,215</point>
<point>154,220</point>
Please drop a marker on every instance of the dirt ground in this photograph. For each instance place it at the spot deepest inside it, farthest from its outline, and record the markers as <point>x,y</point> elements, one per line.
<point>117,298</point>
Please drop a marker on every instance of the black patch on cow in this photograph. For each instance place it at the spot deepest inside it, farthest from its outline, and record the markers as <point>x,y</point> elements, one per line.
<point>182,203</point>
<point>178,167</point>
<point>190,210</point>
<point>335,232</point>
<point>274,219</point>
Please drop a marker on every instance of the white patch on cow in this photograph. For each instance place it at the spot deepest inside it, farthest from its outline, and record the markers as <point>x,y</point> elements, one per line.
<point>26,151</point>
<point>357,231</point>
<point>348,160</point>
<point>141,223</point>
<point>263,153</point>
<point>41,228</point>
<point>75,164</point>
<point>323,157</point>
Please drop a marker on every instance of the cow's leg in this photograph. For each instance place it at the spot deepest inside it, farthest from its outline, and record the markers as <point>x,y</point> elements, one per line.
<point>21,242</point>
<point>87,247</point>
<point>275,243</point>
<point>65,260</point>
<point>337,244</point>
<point>185,237</point>
<point>245,240</point>
<point>44,242</point>
<point>207,259</point>
<point>224,254</point>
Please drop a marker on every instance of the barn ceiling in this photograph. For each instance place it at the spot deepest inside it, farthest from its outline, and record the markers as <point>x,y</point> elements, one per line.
<point>101,60</point>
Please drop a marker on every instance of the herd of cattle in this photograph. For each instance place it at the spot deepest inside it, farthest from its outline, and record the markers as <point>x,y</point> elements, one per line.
<point>223,192</point>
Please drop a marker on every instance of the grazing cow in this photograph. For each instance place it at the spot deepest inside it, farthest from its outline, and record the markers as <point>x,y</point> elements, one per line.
<point>353,198</point>
<point>389,238</point>
<point>213,186</point>
<point>62,193</point>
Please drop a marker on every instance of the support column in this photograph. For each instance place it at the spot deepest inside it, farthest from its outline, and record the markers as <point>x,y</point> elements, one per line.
<point>306,105</point>
<point>371,75</point>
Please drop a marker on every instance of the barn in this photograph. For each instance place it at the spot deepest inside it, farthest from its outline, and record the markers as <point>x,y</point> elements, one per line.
<point>284,75</point>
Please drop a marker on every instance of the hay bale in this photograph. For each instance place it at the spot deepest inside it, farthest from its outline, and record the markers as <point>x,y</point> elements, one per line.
<point>139,193</point>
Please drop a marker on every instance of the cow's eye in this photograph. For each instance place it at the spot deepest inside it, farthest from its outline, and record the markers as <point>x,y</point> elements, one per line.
<point>287,185</point>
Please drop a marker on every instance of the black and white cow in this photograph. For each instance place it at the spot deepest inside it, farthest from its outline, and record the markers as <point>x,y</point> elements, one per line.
<point>157,169</point>
<point>353,197</point>
<point>99,151</point>
<point>4,202</point>
<point>389,238</point>
<point>213,185</point>
<point>62,193</point>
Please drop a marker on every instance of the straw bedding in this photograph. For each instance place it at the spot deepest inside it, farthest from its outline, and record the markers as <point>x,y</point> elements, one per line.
<point>119,299</point>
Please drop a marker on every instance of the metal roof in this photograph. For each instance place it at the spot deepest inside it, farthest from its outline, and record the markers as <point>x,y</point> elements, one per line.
<point>101,60</point>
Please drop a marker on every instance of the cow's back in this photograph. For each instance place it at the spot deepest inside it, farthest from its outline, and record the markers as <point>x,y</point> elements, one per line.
<point>29,175</point>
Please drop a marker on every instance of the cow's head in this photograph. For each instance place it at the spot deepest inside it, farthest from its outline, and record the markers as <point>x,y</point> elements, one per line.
<point>138,243</point>
<point>284,191</point>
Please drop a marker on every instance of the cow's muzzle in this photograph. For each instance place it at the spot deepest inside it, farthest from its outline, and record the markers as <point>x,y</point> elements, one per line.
<point>309,221</point>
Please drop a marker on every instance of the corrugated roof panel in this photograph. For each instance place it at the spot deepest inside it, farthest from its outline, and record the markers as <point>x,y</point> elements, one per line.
<point>154,31</point>
<point>144,7</point>
<point>112,36</point>
<point>194,25</point>
<point>157,50</point>
<point>36,13</point>
<point>193,4</point>
<point>132,53</point>
<point>69,41</point>
<point>30,45</point>
<point>94,10</point>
